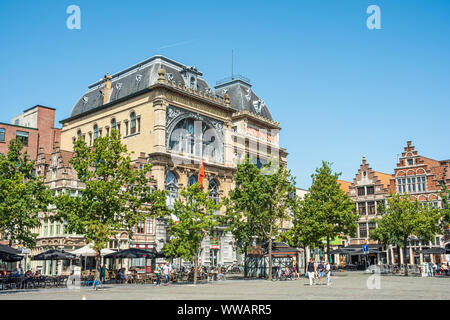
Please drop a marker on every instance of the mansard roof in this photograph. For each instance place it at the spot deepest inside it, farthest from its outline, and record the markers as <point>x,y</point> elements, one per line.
<point>242,96</point>
<point>139,77</point>
<point>134,79</point>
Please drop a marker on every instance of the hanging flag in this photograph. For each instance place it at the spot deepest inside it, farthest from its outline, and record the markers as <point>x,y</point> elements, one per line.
<point>202,174</point>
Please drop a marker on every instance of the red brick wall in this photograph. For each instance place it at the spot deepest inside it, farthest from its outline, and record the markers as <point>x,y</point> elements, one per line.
<point>10,133</point>
<point>46,127</point>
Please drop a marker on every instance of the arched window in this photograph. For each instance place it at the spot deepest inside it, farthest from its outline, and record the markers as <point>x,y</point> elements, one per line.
<point>197,138</point>
<point>214,190</point>
<point>95,132</point>
<point>133,123</point>
<point>113,124</point>
<point>192,180</point>
<point>172,188</point>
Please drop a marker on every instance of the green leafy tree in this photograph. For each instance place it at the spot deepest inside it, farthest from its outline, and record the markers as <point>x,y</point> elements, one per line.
<point>117,195</point>
<point>23,196</point>
<point>403,218</point>
<point>306,229</point>
<point>277,189</point>
<point>259,204</point>
<point>333,210</point>
<point>243,207</point>
<point>445,196</point>
<point>192,218</point>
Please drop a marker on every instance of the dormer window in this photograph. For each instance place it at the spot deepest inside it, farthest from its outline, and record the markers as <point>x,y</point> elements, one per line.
<point>410,162</point>
<point>190,77</point>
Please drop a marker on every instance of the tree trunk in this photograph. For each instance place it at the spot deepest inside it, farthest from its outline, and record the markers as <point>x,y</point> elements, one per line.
<point>270,254</point>
<point>245,264</point>
<point>305,260</point>
<point>10,243</point>
<point>96,272</point>
<point>195,268</point>
<point>405,260</point>
<point>327,256</point>
<point>399,262</point>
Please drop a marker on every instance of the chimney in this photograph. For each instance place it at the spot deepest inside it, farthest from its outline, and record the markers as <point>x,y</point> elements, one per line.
<point>107,80</point>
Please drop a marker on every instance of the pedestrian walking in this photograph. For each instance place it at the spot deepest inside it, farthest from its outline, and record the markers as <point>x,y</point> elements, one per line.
<point>311,271</point>
<point>96,279</point>
<point>295,273</point>
<point>328,269</point>
<point>166,271</point>
<point>103,274</point>
<point>158,274</point>
<point>320,271</point>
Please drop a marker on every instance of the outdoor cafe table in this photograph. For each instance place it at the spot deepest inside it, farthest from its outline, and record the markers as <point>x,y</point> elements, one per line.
<point>25,282</point>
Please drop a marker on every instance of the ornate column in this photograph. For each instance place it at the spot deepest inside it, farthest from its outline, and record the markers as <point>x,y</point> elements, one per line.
<point>159,129</point>
<point>228,145</point>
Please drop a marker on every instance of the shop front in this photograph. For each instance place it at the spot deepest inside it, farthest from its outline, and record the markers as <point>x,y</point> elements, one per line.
<point>257,261</point>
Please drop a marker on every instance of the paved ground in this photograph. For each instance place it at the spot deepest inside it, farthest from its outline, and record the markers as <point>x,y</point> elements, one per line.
<point>345,286</point>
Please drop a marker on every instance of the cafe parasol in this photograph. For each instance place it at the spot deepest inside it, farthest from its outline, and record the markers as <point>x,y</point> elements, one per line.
<point>9,254</point>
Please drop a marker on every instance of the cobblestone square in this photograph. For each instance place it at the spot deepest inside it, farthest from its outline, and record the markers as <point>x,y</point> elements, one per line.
<point>345,286</point>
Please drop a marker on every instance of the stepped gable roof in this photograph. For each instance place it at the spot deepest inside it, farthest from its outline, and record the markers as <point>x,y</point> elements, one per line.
<point>385,178</point>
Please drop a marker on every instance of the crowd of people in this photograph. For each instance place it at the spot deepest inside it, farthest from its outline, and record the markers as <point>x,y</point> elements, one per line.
<point>18,272</point>
<point>317,271</point>
<point>441,269</point>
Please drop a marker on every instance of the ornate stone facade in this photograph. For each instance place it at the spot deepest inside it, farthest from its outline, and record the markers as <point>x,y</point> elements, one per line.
<point>173,115</point>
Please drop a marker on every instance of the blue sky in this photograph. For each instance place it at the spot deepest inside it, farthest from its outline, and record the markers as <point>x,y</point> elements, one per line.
<point>339,90</point>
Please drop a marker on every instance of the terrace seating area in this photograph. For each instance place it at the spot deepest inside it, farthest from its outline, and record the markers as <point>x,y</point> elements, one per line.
<point>24,282</point>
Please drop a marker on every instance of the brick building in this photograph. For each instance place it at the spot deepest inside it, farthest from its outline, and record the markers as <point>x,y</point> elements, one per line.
<point>368,189</point>
<point>35,127</point>
<point>61,177</point>
<point>421,177</point>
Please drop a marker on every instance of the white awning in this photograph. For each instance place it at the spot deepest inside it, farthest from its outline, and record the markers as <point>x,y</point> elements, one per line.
<point>88,251</point>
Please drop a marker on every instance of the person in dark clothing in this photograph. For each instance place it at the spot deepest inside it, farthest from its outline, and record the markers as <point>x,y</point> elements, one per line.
<point>320,271</point>
<point>311,271</point>
<point>103,274</point>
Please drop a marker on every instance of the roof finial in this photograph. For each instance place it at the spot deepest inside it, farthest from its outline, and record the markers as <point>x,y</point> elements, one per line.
<point>161,74</point>
<point>227,98</point>
<point>364,158</point>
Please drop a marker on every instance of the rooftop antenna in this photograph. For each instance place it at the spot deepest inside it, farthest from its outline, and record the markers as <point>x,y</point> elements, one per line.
<point>232,64</point>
